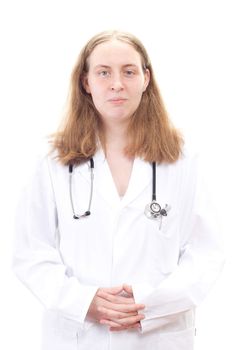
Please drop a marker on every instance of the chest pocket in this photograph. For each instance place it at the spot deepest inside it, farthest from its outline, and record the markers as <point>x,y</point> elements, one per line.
<point>163,242</point>
<point>166,225</point>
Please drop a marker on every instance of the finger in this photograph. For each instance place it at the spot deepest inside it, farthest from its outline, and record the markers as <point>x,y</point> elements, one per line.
<point>116,326</point>
<point>121,328</point>
<point>118,302</point>
<point>111,314</point>
<point>117,299</point>
<point>126,308</point>
<point>124,322</point>
<point>129,321</point>
<point>112,290</point>
<point>110,323</point>
<point>128,289</point>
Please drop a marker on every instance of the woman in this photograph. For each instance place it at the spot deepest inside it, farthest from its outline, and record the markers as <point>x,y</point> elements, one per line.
<point>115,235</point>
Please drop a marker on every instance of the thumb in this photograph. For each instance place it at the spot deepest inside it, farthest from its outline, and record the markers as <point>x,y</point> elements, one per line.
<point>128,289</point>
<point>114,290</point>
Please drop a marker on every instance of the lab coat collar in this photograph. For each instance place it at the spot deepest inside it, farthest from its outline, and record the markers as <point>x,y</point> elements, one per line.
<point>141,177</point>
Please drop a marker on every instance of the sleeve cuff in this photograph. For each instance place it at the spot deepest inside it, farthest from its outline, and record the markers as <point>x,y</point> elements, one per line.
<point>75,300</point>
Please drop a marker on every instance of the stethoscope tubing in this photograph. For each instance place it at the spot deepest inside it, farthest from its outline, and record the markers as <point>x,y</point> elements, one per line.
<point>152,210</point>
<point>88,211</point>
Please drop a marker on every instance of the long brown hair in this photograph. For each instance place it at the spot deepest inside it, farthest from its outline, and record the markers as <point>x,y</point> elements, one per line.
<point>151,134</point>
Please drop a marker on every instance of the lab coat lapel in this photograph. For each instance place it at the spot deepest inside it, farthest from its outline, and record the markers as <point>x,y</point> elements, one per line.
<point>103,182</point>
<point>141,177</point>
<point>104,185</point>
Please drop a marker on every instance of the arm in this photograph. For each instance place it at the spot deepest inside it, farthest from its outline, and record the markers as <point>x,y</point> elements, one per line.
<point>37,261</point>
<point>200,260</point>
<point>38,264</point>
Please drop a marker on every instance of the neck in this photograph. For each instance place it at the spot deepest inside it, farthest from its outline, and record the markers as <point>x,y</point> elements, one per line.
<point>115,138</point>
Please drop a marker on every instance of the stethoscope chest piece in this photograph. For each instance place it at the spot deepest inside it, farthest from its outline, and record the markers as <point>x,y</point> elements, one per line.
<point>154,211</point>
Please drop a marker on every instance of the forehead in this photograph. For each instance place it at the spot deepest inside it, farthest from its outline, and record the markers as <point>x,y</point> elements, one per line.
<point>114,52</point>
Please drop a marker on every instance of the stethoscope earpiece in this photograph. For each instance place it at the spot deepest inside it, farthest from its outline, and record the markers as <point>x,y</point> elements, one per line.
<point>87,212</point>
<point>76,217</point>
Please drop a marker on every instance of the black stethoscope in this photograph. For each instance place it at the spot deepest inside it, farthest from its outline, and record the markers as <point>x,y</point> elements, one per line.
<point>153,210</point>
<point>88,212</point>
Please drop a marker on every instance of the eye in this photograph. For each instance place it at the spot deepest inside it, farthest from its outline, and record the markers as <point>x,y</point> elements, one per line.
<point>129,72</point>
<point>104,73</point>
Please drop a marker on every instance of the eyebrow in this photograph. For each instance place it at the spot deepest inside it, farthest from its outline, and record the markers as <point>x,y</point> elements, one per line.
<point>106,66</point>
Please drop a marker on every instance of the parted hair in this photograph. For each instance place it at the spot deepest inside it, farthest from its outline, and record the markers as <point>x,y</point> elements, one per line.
<point>151,134</point>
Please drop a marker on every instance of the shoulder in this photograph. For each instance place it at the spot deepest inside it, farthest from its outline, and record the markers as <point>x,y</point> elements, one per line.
<point>53,162</point>
<point>190,157</point>
<point>46,165</point>
<point>186,169</point>
<point>193,169</point>
<point>190,151</point>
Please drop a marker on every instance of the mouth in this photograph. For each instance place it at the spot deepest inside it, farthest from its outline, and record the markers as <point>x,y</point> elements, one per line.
<point>117,100</point>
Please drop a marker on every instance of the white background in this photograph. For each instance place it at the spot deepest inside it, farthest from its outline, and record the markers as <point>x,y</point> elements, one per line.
<point>190,45</point>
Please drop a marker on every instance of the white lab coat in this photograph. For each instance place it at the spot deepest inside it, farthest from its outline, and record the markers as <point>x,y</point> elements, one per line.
<point>63,261</point>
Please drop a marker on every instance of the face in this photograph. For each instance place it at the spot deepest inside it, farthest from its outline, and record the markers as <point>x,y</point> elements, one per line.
<point>115,80</point>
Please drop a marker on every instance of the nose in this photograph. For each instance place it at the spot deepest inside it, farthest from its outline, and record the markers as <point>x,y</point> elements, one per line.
<point>116,83</point>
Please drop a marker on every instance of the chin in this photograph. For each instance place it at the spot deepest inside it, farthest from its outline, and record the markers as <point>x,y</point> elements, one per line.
<point>115,117</point>
<point>119,118</point>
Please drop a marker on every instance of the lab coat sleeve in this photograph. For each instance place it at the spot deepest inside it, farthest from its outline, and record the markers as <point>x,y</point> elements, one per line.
<point>200,261</point>
<point>37,261</point>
